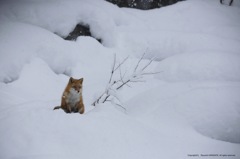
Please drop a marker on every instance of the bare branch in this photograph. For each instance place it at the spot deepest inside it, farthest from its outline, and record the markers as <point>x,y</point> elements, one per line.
<point>121,106</point>
<point>123,84</point>
<point>137,81</point>
<point>121,63</point>
<point>114,85</point>
<point>139,61</point>
<point>122,76</point>
<point>97,101</point>
<point>115,82</point>
<point>106,98</point>
<point>113,68</point>
<point>149,63</point>
<point>151,73</point>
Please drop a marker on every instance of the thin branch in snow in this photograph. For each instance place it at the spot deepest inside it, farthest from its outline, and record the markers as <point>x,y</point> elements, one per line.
<point>151,73</point>
<point>137,81</point>
<point>121,63</point>
<point>121,106</point>
<point>124,83</point>
<point>113,68</point>
<point>106,98</point>
<point>139,61</point>
<point>149,63</point>
<point>122,76</point>
<point>113,86</point>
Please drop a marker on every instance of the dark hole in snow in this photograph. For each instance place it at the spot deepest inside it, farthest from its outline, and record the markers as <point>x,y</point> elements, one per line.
<point>143,4</point>
<point>80,30</point>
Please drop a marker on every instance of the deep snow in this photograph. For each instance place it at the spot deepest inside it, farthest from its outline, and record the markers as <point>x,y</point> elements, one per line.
<point>191,108</point>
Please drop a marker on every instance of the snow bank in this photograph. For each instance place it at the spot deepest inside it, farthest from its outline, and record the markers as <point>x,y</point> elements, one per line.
<point>211,108</point>
<point>105,131</point>
<point>163,44</point>
<point>22,42</point>
<point>213,111</point>
<point>183,28</point>
<point>200,66</point>
<point>162,32</point>
<point>62,16</point>
<point>162,120</point>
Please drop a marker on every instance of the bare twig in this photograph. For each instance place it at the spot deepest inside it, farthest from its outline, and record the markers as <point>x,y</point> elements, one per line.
<point>115,85</point>
<point>123,84</point>
<point>139,61</point>
<point>121,106</point>
<point>137,81</point>
<point>149,63</point>
<point>97,101</point>
<point>106,98</point>
<point>121,63</point>
<point>151,73</point>
<point>113,69</point>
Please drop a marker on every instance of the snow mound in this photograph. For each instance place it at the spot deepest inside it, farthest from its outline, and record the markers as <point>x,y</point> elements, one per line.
<point>183,28</point>
<point>162,120</point>
<point>62,16</point>
<point>54,134</point>
<point>163,44</point>
<point>20,42</point>
<point>200,66</point>
<point>213,111</point>
<point>210,108</point>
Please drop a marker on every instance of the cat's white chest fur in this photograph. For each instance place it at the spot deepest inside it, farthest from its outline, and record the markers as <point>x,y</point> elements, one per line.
<point>73,97</point>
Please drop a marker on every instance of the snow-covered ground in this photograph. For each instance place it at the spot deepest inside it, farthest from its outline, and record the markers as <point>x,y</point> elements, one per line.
<point>192,107</point>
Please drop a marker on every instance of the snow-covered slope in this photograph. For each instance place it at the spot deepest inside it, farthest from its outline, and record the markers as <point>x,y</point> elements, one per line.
<point>192,107</point>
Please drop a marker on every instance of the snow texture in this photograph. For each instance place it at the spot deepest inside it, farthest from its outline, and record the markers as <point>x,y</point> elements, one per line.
<point>192,107</point>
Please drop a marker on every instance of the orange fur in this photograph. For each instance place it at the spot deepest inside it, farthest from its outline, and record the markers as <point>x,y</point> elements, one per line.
<point>72,100</point>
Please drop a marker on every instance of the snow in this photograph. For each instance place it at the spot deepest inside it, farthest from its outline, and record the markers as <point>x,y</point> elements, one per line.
<point>191,107</point>
<point>200,66</point>
<point>206,111</point>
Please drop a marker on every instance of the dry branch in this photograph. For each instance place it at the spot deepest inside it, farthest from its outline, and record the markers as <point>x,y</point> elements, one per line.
<point>114,85</point>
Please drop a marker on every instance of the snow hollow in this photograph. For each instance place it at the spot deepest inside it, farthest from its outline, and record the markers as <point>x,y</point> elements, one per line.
<point>187,105</point>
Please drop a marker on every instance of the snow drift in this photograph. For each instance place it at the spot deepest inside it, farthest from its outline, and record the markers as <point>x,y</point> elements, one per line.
<point>191,106</point>
<point>200,66</point>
